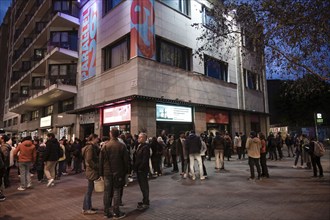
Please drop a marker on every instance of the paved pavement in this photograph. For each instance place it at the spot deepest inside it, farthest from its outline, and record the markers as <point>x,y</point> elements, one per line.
<point>288,194</point>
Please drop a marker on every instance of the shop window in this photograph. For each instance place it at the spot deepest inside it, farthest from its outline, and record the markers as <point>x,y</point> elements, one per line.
<point>66,105</point>
<point>34,115</point>
<point>173,55</point>
<point>179,5</point>
<point>110,4</point>
<point>216,68</point>
<point>48,110</point>
<point>116,54</point>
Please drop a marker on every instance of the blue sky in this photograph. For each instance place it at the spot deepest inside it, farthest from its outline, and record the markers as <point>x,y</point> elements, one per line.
<point>4,4</point>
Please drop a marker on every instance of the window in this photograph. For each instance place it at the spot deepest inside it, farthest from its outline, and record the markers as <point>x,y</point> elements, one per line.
<point>64,39</point>
<point>173,54</point>
<point>62,70</point>
<point>24,90</point>
<point>110,4</point>
<point>39,53</point>
<point>34,115</point>
<point>9,122</point>
<point>208,19</point>
<point>116,54</point>
<point>66,105</point>
<point>248,40</point>
<point>179,5</point>
<point>216,69</point>
<point>24,118</point>
<point>48,110</point>
<point>26,65</point>
<point>5,124</point>
<point>15,121</point>
<point>252,80</point>
<point>40,26</point>
<point>61,5</point>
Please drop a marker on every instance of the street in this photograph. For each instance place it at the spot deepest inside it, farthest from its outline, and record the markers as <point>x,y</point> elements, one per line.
<point>288,194</point>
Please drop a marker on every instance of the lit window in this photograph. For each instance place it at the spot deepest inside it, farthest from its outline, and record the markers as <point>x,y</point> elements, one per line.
<point>110,4</point>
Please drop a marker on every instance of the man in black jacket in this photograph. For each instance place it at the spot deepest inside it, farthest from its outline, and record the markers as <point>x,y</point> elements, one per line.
<point>141,166</point>
<point>51,156</point>
<point>113,168</point>
<point>193,146</point>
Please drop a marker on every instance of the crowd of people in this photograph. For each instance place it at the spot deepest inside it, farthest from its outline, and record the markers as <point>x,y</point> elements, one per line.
<point>120,158</point>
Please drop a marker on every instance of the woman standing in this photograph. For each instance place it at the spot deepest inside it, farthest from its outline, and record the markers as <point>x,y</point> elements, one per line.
<point>91,158</point>
<point>263,152</point>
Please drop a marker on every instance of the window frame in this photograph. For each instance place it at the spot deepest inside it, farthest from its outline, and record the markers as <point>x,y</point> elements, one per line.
<point>186,53</point>
<point>107,53</point>
<point>223,73</point>
<point>64,109</point>
<point>183,6</point>
<point>107,8</point>
<point>48,110</point>
<point>34,115</point>
<point>252,80</point>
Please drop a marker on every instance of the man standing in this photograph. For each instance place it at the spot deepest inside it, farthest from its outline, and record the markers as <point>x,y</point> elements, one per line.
<point>51,156</point>
<point>253,146</point>
<point>194,146</point>
<point>218,144</point>
<point>113,168</point>
<point>141,166</point>
<point>181,146</point>
<point>6,148</point>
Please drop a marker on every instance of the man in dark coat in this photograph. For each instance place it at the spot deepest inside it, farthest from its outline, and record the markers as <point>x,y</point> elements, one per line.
<point>141,166</point>
<point>51,156</point>
<point>113,168</point>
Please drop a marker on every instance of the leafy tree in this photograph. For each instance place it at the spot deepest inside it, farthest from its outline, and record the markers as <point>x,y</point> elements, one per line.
<point>295,34</point>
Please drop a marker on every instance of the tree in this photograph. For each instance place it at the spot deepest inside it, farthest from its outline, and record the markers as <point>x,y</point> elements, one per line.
<point>294,34</point>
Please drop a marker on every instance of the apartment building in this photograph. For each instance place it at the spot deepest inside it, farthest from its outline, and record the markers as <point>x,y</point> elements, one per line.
<point>42,65</point>
<point>137,72</point>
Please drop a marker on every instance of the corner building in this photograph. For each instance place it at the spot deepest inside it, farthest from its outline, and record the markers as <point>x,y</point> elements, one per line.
<point>42,67</point>
<point>136,71</point>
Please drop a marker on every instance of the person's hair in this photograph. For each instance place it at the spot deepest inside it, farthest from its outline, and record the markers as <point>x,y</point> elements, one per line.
<point>105,138</point>
<point>217,133</point>
<point>5,138</point>
<point>144,134</point>
<point>261,136</point>
<point>114,132</point>
<point>192,132</point>
<point>51,135</point>
<point>253,134</point>
<point>236,134</point>
<point>92,136</point>
<point>27,138</point>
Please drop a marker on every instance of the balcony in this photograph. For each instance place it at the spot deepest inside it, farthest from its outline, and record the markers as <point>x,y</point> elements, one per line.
<point>40,33</point>
<point>53,91</point>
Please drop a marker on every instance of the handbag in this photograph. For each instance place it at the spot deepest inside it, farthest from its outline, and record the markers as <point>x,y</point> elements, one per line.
<point>99,185</point>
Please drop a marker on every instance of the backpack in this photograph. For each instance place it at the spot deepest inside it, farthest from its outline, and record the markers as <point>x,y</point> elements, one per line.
<point>319,149</point>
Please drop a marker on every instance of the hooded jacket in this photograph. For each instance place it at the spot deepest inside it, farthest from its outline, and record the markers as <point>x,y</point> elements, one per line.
<point>253,146</point>
<point>27,151</point>
<point>52,152</point>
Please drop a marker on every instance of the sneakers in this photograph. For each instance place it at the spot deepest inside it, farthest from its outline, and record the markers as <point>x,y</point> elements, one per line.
<point>29,186</point>
<point>193,178</point>
<point>50,182</point>
<point>202,178</point>
<point>2,197</point>
<point>184,176</point>
<point>88,212</point>
<point>142,206</point>
<point>130,179</point>
<point>294,166</point>
<point>21,188</point>
<point>119,215</point>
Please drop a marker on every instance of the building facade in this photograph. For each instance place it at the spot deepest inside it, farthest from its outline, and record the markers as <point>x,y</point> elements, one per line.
<point>138,73</point>
<point>133,67</point>
<point>42,64</point>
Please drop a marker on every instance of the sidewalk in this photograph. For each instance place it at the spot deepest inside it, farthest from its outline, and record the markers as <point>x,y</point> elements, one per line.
<point>288,194</point>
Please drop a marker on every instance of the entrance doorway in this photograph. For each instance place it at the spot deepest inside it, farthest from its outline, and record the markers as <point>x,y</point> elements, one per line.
<point>86,130</point>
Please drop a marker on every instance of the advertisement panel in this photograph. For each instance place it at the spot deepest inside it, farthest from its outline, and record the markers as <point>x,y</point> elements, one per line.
<point>46,121</point>
<point>143,29</point>
<point>117,114</point>
<point>217,117</point>
<point>173,113</point>
<point>88,21</point>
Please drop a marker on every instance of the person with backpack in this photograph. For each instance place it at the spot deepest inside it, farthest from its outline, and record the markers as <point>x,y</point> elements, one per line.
<point>313,150</point>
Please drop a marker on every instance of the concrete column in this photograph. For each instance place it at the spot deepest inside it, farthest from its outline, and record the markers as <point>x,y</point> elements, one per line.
<point>200,120</point>
<point>143,117</point>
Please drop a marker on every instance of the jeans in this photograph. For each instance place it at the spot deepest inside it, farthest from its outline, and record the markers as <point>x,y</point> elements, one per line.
<point>142,178</point>
<point>299,154</point>
<point>290,150</point>
<point>110,192</point>
<point>61,168</point>
<point>263,162</point>
<point>239,152</point>
<point>175,163</point>
<point>184,164</point>
<point>24,168</point>
<point>204,168</point>
<point>254,162</point>
<point>192,158</point>
<point>219,163</point>
<point>317,161</point>
<point>87,205</point>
